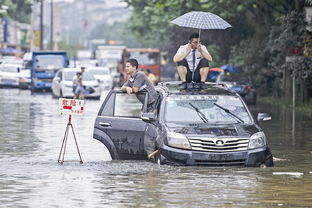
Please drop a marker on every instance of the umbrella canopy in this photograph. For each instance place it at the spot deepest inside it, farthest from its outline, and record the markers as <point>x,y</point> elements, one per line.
<point>201,20</point>
<point>230,68</point>
<point>213,75</point>
<point>215,70</point>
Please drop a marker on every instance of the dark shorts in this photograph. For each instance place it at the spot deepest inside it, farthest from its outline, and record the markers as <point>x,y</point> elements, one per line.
<point>202,63</point>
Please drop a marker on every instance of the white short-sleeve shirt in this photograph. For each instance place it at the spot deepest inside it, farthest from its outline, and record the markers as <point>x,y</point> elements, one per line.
<point>189,58</point>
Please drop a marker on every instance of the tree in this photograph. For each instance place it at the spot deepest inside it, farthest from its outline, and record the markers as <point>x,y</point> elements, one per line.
<point>116,31</point>
<point>18,10</point>
<point>250,44</point>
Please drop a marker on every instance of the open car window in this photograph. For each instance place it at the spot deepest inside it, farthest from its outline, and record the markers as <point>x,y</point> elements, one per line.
<point>127,106</point>
<point>119,104</point>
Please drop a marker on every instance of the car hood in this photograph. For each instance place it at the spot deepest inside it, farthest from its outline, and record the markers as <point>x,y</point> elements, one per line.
<point>241,130</point>
<point>102,77</point>
<point>25,73</point>
<point>10,74</point>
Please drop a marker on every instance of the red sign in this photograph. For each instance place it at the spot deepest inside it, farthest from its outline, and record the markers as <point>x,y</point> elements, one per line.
<point>71,106</point>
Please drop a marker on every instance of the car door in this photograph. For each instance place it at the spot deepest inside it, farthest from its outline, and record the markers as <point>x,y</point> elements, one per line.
<point>119,126</point>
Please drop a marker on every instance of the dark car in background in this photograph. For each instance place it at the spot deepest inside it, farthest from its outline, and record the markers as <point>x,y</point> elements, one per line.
<point>239,84</point>
<point>210,127</point>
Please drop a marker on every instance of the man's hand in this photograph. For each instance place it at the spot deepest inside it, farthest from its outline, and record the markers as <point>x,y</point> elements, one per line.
<point>129,90</point>
<point>198,47</point>
<point>188,49</point>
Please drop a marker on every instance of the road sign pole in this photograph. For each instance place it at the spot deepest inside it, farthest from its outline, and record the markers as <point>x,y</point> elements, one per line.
<point>64,143</point>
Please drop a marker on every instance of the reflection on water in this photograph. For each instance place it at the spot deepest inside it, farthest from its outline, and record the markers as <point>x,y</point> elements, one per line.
<point>31,132</point>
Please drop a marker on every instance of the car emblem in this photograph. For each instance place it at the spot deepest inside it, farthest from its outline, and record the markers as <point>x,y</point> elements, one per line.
<point>219,143</point>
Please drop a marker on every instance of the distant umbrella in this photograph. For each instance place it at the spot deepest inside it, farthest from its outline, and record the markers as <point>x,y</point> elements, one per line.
<point>215,70</point>
<point>201,20</point>
<point>230,68</point>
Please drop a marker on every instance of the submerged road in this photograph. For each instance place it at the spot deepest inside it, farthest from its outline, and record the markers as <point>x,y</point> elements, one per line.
<point>31,132</point>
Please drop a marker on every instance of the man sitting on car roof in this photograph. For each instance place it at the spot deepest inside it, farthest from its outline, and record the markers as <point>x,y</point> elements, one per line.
<point>193,61</point>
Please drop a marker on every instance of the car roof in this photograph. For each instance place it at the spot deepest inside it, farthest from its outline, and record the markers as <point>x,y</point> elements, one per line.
<point>71,69</point>
<point>209,88</point>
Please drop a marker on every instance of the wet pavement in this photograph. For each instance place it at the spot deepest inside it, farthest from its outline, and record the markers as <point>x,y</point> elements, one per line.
<point>31,132</point>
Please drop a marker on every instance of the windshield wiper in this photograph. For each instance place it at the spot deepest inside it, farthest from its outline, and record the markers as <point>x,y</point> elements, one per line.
<point>200,114</point>
<point>229,112</point>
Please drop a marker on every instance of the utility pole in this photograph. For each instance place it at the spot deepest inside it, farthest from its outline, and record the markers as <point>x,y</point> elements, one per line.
<point>41,24</point>
<point>51,32</point>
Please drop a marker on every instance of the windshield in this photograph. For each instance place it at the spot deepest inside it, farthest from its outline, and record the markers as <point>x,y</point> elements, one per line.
<point>49,62</point>
<point>9,68</point>
<point>147,58</point>
<point>178,109</point>
<point>69,76</point>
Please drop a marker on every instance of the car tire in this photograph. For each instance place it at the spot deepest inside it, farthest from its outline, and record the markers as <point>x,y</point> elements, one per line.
<point>54,95</point>
<point>269,162</point>
<point>158,159</point>
<point>32,89</point>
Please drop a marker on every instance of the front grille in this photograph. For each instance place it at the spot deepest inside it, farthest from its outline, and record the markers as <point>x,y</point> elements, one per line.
<point>227,163</point>
<point>218,144</point>
<point>45,80</point>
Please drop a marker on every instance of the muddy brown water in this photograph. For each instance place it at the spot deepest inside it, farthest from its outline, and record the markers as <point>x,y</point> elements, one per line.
<point>31,132</point>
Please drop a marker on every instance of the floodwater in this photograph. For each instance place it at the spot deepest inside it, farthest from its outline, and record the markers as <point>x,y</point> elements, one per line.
<point>32,130</point>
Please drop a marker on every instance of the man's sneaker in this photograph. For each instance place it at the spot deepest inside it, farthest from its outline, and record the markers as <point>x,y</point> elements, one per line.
<point>183,86</point>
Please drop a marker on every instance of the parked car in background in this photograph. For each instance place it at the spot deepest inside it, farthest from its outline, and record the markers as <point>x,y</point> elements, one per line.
<point>9,74</point>
<point>103,75</point>
<point>239,84</point>
<point>62,83</point>
<point>209,126</point>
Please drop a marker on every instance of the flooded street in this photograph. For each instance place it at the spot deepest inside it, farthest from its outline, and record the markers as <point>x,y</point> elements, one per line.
<point>31,132</point>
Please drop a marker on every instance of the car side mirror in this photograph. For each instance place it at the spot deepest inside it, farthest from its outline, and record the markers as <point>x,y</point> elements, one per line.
<point>18,69</point>
<point>263,117</point>
<point>148,117</point>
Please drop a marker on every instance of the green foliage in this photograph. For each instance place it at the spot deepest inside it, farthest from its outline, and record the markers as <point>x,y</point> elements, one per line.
<point>257,43</point>
<point>18,10</point>
<point>291,33</point>
<point>70,49</point>
<point>150,21</point>
<point>117,31</point>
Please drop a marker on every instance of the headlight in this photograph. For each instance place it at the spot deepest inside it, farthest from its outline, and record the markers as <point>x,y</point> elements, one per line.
<point>178,140</point>
<point>257,140</point>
